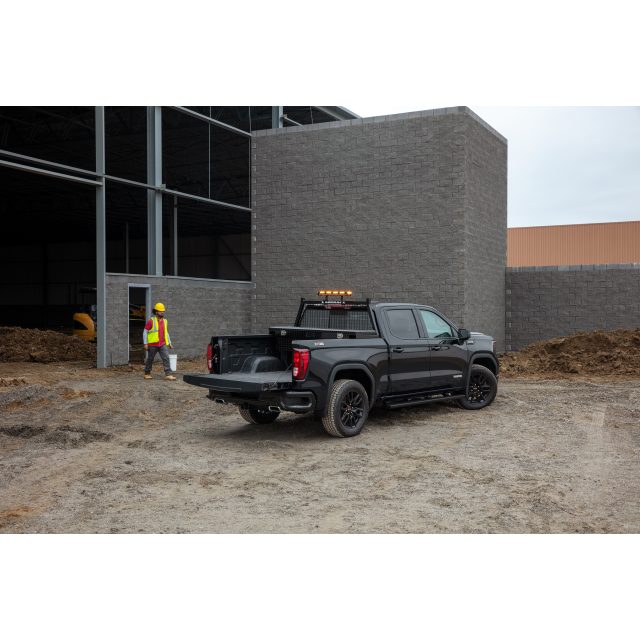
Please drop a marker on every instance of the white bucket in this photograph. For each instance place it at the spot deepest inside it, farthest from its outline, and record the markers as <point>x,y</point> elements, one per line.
<point>173,361</point>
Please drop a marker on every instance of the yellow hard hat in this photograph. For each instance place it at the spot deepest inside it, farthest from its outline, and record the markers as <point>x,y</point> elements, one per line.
<point>159,307</point>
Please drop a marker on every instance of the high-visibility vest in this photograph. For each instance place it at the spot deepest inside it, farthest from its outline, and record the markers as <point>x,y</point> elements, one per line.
<point>153,335</point>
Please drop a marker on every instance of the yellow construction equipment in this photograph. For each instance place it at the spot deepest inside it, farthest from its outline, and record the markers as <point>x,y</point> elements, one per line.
<point>84,327</point>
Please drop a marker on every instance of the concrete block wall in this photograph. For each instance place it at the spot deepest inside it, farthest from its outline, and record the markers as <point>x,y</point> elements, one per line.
<point>547,302</point>
<point>382,206</point>
<point>485,230</point>
<point>196,309</point>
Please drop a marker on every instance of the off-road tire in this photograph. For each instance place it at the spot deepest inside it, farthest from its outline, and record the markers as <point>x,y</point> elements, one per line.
<point>347,409</point>
<point>255,415</point>
<point>481,390</point>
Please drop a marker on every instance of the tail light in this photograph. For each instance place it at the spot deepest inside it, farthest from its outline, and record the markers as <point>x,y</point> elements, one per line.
<point>209,356</point>
<point>493,346</point>
<point>300,363</point>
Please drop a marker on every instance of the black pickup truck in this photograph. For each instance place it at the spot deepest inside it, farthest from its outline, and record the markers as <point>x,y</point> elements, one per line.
<point>340,358</point>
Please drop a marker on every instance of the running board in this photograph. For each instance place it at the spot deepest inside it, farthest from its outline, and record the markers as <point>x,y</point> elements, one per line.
<point>412,402</point>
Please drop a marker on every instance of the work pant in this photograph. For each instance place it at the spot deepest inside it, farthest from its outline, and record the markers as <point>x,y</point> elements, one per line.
<point>164,354</point>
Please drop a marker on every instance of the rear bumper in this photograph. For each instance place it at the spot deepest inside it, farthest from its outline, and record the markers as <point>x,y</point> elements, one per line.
<point>259,390</point>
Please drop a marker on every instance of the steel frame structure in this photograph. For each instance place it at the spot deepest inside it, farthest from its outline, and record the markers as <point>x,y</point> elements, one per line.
<point>155,190</point>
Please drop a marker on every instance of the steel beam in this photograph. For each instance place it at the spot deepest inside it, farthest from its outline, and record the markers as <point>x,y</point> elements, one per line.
<point>46,163</point>
<point>286,118</point>
<point>154,198</point>
<point>339,113</point>
<point>276,117</point>
<point>101,252</point>
<point>217,123</point>
<point>47,173</point>
<point>226,205</point>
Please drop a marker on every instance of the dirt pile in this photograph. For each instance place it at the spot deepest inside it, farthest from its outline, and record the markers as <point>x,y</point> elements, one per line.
<point>594,353</point>
<point>35,345</point>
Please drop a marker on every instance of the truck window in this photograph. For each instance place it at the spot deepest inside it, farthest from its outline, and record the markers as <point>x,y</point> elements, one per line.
<point>402,323</point>
<point>436,327</point>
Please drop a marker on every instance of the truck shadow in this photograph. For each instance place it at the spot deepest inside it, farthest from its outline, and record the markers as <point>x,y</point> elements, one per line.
<point>285,429</point>
<point>291,428</point>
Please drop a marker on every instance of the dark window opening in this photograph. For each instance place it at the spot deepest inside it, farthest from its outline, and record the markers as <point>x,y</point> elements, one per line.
<point>402,323</point>
<point>201,240</point>
<point>47,250</point>
<point>65,135</point>
<point>126,223</point>
<point>205,160</point>
<point>126,142</point>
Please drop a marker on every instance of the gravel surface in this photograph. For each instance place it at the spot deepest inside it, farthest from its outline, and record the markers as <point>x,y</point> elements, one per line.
<point>83,450</point>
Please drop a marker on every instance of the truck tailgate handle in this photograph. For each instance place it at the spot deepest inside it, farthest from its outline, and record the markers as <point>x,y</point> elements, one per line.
<point>398,349</point>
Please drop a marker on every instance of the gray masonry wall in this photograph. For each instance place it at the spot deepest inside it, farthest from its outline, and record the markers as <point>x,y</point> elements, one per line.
<point>547,302</point>
<point>404,208</point>
<point>196,310</point>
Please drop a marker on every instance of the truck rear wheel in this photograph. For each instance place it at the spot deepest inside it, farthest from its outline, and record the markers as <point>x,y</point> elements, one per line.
<point>258,415</point>
<point>481,390</point>
<point>347,409</point>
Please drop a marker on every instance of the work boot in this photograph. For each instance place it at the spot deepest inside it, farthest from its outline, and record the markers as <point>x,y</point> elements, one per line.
<point>170,377</point>
<point>148,376</point>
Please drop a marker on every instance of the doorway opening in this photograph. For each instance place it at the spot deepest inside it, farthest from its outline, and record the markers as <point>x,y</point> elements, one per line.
<point>139,309</point>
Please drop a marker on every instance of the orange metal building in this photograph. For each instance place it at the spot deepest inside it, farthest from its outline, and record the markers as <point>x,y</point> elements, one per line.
<point>599,243</point>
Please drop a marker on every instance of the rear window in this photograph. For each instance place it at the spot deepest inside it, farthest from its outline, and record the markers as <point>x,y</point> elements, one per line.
<point>402,323</point>
<point>343,319</point>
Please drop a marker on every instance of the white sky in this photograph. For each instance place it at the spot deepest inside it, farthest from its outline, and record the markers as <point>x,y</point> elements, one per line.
<point>567,165</point>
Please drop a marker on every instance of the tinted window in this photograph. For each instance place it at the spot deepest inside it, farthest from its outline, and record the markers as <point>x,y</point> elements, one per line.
<point>436,327</point>
<point>402,323</point>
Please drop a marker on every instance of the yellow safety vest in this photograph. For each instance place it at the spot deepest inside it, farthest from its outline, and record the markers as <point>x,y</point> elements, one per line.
<point>153,335</point>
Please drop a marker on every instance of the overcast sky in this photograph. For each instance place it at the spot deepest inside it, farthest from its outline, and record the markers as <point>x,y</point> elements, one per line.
<point>567,165</point>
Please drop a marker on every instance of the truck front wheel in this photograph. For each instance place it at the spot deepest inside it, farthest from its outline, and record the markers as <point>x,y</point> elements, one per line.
<point>258,415</point>
<point>347,409</point>
<point>481,390</point>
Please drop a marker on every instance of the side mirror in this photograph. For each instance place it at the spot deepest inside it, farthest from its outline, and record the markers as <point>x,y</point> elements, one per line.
<point>463,334</point>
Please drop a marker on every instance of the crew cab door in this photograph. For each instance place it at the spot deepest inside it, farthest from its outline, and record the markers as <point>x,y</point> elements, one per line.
<point>409,352</point>
<point>448,358</point>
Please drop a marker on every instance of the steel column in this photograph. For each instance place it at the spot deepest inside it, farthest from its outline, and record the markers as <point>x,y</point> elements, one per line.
<point>276,117</point>
<point>101,252</point>
<point>154,198</point>
<point>174,238</point>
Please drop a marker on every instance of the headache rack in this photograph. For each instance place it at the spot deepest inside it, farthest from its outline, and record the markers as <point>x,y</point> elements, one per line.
<point>318,319</point>
<point>339,315</point>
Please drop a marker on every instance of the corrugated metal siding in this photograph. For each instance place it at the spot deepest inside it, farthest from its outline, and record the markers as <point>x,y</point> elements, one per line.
<point>600,243</point>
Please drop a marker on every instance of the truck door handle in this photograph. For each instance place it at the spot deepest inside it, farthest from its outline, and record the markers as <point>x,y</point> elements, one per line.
<point>435,348</point>
<point>398,349</point>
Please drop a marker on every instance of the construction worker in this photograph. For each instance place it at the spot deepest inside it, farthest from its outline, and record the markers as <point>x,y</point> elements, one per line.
<point>156,340</point>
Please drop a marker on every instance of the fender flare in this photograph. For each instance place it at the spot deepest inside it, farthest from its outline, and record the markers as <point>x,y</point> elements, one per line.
<point>355,365</point>
<point>476,356</point>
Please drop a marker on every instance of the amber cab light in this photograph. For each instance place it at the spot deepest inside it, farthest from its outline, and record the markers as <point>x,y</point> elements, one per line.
<point>300,363</point>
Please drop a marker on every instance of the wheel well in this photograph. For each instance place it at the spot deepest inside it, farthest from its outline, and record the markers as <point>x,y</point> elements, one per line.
<point>487,362</point>
<point>359,376</point>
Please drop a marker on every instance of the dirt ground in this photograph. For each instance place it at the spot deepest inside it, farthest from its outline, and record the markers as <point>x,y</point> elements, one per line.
<point>86,450</point>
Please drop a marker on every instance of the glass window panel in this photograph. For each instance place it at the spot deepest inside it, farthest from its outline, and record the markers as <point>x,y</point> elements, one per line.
<point>126,142</point>
<point>212,242</point>
<point>436,327</point>
<point>402,323</point>
<point>126,217</point>
<point>58,134</point>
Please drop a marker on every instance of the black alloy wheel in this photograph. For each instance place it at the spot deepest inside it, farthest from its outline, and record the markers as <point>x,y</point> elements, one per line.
<point>347,409</point>
<point>351,409</point>
<point>481,390</point>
